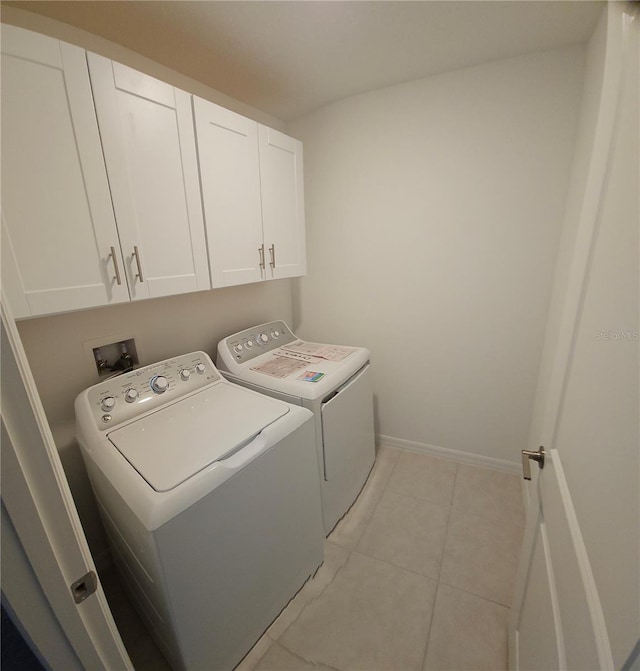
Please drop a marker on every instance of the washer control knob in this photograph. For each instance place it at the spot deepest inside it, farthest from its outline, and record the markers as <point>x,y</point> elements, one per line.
<point>108,403</point>
<point>249,344</point>
<point>275,333</point>
<point>262,338</point>
<point>185,374</point>
<point>200,368</point>
<point>238,348</point>
<point>130,395</point>
<point>159,384</point>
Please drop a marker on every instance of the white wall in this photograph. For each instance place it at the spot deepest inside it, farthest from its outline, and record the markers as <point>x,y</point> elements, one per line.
<point>592,89</point>
<point>434,211</point>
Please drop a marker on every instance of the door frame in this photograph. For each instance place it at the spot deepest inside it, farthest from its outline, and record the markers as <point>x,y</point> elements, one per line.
<point>37,498</point>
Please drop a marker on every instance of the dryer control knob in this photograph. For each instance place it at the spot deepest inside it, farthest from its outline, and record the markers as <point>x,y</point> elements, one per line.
<point>130,395</point>
<point>159,384</point>
<point>185,374</point>
<point>200,368</point>
<point>262,339</point>
<point>108,403</point>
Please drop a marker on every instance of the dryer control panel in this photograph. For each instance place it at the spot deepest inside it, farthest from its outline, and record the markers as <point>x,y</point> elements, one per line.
<point>257,340</point>
<point>129,395</point>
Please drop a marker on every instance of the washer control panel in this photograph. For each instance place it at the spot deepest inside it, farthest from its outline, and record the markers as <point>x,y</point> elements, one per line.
<point>126,396</point>
<point>257,340</point>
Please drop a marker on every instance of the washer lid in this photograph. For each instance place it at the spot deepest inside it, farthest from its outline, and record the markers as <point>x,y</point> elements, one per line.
<point>174,443</point>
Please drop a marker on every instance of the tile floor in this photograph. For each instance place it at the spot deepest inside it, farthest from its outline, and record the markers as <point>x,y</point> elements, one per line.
<point>417,576</point>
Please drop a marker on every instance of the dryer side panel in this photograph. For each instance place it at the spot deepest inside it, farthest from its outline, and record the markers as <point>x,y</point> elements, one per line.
<point>348,444</point>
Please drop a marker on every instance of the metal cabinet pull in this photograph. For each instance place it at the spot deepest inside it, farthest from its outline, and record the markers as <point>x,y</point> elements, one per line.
<point>261,254</point>
<point>272,253</point>
<point>531,455</point>
<point>136,254</point>
<point>117,278</point>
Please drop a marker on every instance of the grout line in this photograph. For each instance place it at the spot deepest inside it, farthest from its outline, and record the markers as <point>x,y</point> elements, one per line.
<point>477,596</point>
<point>243,664</point>
<point>489,518</point>
<point>305,660</point>
<point>428,636</point>
<point>366,519</point>
<point>400,568</point>
<point>310,600</point>
<point>438,582</point>
<point>441,506</point>
<point>375,507</point>
<point>446,533</point>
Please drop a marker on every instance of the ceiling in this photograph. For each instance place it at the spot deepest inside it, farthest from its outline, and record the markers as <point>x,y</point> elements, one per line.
<point>290,58</point>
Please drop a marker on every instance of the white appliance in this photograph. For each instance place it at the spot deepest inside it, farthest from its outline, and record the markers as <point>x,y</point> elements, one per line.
<point>209,494</point>
<point>330,380</point>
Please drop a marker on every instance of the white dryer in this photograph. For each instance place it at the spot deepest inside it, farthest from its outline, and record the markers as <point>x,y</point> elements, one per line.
<point>210,498</point>
<point>332,381</point>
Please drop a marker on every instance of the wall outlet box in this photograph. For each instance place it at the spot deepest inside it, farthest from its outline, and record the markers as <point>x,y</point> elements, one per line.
<point>111,355</point>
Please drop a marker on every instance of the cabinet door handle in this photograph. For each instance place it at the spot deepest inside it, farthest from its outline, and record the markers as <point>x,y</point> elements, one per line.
<point>272,253</point>
<point>117,278</point>
<point>136,254</point>
<point>261,254</point>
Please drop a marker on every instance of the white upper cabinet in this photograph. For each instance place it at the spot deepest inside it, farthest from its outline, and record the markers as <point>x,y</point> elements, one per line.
<point>230,174</point>
<point>252,190</point>
<point>149,149</point>
<point>102,199</point>
<point>282,188</point>
<point>60,248</point>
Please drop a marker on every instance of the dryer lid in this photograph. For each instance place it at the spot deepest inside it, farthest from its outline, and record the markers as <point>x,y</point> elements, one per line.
<point>179,440</point>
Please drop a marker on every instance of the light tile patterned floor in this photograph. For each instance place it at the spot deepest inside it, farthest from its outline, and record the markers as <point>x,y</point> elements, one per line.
<point>418,576</point>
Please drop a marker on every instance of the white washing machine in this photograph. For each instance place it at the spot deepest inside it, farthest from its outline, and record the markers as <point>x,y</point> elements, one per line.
<point>332,381</point>
<point>209,494</point>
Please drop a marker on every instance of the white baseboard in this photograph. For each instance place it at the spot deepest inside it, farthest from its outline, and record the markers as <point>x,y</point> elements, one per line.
<point>452,455</point>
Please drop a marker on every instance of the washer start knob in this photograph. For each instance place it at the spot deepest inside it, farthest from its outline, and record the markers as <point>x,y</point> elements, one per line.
<point>159,384</point>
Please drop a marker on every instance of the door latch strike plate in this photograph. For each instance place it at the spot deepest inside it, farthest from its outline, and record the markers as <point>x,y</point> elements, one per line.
<point>531,455</point>
<point>84,587</point>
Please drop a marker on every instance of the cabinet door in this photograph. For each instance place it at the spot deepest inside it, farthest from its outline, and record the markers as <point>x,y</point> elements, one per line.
<point>282,188</point>
<point>149,148</point>
<point>230,177</point>
<point>59,242</point>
